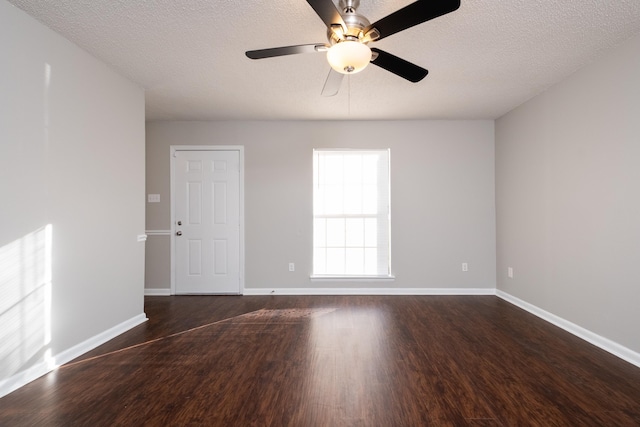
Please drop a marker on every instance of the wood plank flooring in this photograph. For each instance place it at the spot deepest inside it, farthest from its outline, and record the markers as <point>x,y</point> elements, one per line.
<point>335,361</point>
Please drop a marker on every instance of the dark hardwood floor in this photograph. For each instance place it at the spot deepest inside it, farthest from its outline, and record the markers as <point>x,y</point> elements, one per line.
<point>335,361</point>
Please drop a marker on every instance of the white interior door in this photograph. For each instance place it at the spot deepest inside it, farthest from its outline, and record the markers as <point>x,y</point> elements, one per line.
<point>207,222</point>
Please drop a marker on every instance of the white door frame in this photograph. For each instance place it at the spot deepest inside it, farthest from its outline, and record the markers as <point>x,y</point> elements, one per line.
<point>173,149</point>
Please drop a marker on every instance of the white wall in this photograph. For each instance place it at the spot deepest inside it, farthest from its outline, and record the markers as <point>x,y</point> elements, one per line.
<point>568,198</point>
<point>72,163</point>
<point>442,197</point>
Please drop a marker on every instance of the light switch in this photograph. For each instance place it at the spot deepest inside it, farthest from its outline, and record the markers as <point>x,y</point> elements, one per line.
<point>153,198</point>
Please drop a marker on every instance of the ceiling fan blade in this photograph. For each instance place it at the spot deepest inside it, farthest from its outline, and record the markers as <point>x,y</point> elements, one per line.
<point>398,66</point>
<point>328,12</point>
<point>286,50</point>
<point>413,14</point>
<point>332,84</point>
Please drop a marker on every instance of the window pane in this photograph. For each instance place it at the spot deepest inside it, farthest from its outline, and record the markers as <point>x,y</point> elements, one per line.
<point>335,232</point>
<point>370,169</point>
<point>354,261</point>
<point>355,232</point>
<point>333,201</point>
<point>369,199</point>
<point>320,232</point>
<point>370,232</point>
<point>371,261</point>
<point>335,261</point>
<point>318,201</point>
<point>353,169</point>
<point>331,173</point>
<point>352,199</point>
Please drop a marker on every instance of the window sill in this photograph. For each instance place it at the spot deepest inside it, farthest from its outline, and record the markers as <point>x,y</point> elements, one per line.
<point>321,278</point>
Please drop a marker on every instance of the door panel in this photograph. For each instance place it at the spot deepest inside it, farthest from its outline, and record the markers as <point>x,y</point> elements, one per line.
<point>207,214</point>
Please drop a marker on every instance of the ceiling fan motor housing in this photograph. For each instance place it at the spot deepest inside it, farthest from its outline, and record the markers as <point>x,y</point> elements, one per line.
<point>355,22</point>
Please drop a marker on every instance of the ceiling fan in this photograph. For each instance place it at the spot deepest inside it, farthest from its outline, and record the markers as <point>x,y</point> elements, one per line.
<point>349,33</point>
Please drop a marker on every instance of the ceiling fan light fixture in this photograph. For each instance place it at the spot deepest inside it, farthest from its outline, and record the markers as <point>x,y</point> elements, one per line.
<point>349,57</point>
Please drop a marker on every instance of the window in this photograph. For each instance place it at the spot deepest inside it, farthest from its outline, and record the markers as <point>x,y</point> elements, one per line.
<point>351,216</point>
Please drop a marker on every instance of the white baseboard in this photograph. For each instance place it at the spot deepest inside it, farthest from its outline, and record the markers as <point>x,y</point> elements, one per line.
<point>157,292</point>
<point>606,344</point>
<point>369,291</point>
<point>24,377</point>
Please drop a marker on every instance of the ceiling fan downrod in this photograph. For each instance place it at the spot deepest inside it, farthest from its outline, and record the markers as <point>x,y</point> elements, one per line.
<point>349,6</point>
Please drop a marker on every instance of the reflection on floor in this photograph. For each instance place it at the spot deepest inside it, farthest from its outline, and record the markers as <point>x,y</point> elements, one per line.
<point>335,361</point>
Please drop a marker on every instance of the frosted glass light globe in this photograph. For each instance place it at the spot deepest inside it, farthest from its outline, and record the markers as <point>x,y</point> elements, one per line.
<point>349,57</point>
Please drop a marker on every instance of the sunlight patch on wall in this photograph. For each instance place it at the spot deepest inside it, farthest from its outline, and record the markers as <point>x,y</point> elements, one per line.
<point>25,301</point>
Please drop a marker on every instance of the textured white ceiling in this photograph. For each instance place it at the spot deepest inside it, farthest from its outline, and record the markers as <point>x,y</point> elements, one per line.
<point>483,60</point>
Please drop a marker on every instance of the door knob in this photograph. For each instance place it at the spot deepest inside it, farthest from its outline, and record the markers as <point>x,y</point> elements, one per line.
<point>178,233</point>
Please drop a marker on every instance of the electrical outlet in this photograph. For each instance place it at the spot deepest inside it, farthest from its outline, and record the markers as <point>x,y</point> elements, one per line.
<point>465,266</point>
<point>510,273</point>
<point>292,267</point>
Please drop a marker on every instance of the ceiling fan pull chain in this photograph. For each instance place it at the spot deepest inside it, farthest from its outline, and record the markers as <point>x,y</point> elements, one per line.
<point>348,95</point>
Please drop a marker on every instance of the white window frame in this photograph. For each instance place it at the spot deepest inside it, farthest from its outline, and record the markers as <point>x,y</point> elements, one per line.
<point>383,212</point>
